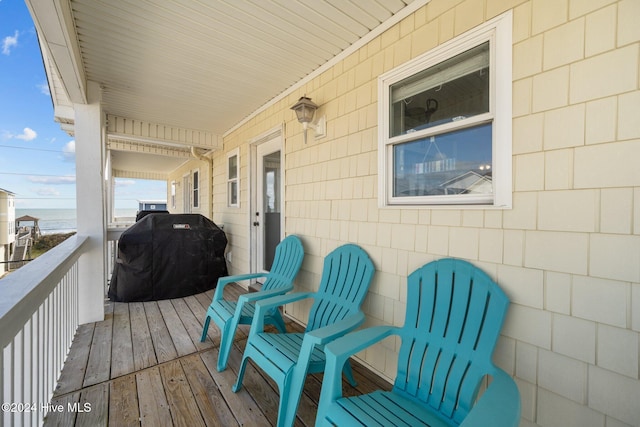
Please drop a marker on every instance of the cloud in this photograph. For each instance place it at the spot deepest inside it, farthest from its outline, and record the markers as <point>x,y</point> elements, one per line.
<point>47,192</point>
<point>9,42</point>
<point>44,88</point>
<point>69,151</point>
<point>53,180</point>
<point>27,134</point>
<point>124,182</point>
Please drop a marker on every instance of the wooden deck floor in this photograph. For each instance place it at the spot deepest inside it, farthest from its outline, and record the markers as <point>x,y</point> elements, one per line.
<point>145,365</point>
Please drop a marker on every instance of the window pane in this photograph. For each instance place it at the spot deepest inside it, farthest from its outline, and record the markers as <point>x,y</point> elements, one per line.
<point>270,179</point>
<point>457,162</point>
<point>196,186</point>
<point>233,193</point>
<point>451,90</point>
<point>233,167</point>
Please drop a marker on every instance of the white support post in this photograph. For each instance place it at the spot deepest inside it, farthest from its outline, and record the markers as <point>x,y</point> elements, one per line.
<point>89,125</point>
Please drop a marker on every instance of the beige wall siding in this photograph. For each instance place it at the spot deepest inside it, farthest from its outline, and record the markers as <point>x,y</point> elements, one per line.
<point>205,203</point>
<point>235,219</point>
<point>567,254</point>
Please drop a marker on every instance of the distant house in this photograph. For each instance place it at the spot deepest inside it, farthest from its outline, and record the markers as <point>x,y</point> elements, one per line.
<point>152,205</point>
<point>31,227</point>
<point>469,182</point>
<point>7,228</point>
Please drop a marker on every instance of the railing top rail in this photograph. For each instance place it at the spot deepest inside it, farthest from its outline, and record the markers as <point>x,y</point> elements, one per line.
<point>24,290</point>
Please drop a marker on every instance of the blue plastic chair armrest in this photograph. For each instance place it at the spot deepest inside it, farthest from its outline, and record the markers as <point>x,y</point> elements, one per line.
<point>337,352</point>
<point>264,305</point>
<point>329,333</point>
<point>311,339</point>
<point>279,300</point>
<point>497,406</point>
<point>224,281</point>
<point>260,295</point>
<point>347,346</point>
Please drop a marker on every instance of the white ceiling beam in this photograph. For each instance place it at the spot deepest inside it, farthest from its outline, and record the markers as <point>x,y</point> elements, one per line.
<point>128,145</point>
<point>120,128</point>
<point>55,25</point>
<point>117,173</point>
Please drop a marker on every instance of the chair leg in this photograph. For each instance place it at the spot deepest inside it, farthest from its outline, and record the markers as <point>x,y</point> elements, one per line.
<point>205,328</point>
<point>238,385</point>
<point>294,382</point>
<point>228,332</point>
<point>285,418</point>
<point>348,372</point>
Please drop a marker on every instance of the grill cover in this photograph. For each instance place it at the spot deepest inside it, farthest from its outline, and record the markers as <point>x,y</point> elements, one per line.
<point>168,256</point>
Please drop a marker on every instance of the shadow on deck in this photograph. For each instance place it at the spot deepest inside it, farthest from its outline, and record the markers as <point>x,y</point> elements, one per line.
<point>145,365</point>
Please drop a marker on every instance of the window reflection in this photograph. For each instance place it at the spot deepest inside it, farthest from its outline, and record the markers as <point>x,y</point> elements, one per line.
<point>457,162</point>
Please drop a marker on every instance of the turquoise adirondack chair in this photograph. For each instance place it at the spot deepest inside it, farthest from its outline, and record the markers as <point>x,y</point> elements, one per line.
<point>453,318</point>
<point>287,358</point>
<point>229,314</point>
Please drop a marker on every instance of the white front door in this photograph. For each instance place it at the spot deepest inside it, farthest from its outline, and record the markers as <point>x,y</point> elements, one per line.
<point>268,210</point>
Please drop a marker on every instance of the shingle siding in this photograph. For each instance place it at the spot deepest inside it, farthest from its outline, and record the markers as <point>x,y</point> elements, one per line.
<point>567,254</point>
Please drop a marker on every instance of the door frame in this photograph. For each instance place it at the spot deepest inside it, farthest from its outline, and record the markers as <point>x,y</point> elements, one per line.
<point>276,133</point>
<point>186,193</point>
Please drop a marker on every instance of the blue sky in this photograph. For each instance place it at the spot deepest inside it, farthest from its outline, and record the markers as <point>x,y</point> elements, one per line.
<point>37,159</point>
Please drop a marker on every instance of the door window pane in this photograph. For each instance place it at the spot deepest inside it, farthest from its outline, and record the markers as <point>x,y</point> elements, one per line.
<point>271,174</point>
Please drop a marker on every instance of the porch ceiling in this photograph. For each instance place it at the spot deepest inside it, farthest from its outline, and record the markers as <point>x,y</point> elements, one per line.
<point>200,65</point>
<point>191,67</point>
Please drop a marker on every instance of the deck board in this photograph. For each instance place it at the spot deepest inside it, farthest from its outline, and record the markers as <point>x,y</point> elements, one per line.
<point>191,324</point>
<point>122,348</point>
<point>165,349</point>
<point>58,414</point>
<point>72,375</point>
<point>144,365</point>
<point>182,404</point>
<point>241,404</point>
<point>154,408</point>
<point>199,312</point>
<point>210,401</point>
<point>93,407</point>
<point>177,331</point>
<point>144,355</point>
<point>99,364</point>
<point>123,402</point>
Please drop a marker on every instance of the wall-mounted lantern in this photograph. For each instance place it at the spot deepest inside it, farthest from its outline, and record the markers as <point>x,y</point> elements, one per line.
<point>305,111</point>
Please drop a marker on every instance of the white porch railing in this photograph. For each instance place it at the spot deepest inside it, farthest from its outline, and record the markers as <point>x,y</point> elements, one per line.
<point>38,320</point>
<point>113,236</point>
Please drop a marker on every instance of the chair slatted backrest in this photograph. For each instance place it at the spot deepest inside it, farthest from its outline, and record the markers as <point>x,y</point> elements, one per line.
<point>346,276</point>
<point>286,263</point>
<point>453,320</point>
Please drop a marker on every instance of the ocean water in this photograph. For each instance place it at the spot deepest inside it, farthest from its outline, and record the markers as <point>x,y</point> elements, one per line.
<point>53,221</point>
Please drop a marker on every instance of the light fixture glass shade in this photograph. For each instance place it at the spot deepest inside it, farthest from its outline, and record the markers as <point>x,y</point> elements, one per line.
<point>305,109</point>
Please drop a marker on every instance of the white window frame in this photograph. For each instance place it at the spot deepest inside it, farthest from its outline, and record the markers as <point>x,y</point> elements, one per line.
<point>498,32</point>
<point>231,181</point>
<point>195,188</point>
